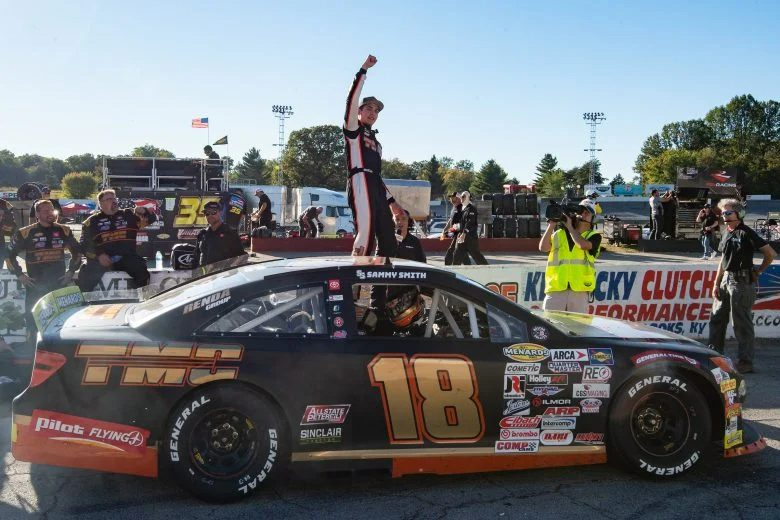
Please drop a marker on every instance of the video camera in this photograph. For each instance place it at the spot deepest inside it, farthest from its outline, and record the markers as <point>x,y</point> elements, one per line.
<point>555,211</point>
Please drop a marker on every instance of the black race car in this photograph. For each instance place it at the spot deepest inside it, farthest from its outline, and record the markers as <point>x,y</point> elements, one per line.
<point>224,381</point>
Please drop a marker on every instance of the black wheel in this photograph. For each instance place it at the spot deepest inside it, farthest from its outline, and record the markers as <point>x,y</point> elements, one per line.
<point>659,425</point>
<point>224,442</point>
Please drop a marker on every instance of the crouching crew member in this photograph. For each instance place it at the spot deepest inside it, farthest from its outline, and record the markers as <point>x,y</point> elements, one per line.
<point>309,222</point>
<point>43,245</point>
<point>218,241</point>
<point>108,242</point>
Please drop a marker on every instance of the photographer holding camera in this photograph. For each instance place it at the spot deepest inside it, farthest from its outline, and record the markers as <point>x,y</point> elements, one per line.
<point>573,247</point>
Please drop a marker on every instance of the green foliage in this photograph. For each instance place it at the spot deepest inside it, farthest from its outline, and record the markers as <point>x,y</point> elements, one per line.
<point>252,166</point>
<point>490,179</point>
<point>79,185</point>
<point>149,150</point>
<point>744,134</point>
<point>431,173</point>
<point>314,156</point>
<point>397,169</point>
<point>11,317</point>
<point>552,184</point>
<point>616,181</point>
<point>580,175</point>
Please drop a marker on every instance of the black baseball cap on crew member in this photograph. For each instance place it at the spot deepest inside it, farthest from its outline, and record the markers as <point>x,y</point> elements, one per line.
<point>211,206</point>
<point>372,99</point>
<point>454,194</point>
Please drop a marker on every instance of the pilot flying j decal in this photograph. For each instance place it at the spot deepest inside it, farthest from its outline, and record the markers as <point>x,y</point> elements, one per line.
<point>81,430</point>
<point>159,364</point>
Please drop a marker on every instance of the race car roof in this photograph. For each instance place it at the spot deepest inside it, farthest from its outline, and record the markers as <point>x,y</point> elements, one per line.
<point>256,272</point>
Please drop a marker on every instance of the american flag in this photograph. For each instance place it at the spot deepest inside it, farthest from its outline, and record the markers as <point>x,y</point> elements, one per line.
<point>201,122</point>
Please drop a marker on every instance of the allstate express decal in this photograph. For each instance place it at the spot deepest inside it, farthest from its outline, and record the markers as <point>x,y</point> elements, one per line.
<point>526,352</point>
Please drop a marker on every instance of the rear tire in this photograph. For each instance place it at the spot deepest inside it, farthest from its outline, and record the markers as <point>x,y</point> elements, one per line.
<point>224,441</point>
<point>659,425</point>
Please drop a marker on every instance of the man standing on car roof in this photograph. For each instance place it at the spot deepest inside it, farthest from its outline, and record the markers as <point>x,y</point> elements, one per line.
<point>43,245</point>
<point>218,241</point>
<point>108,242</point>
<point>734,290</point>
<point>369,198</point>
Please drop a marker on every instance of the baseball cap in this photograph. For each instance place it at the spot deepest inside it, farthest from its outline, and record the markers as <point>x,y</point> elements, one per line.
<point>46,189</point>
<point>259,190</point>
<point>706,206</point>
<point>454,194</point>
<point>211,206</point>
<point>372,99</point>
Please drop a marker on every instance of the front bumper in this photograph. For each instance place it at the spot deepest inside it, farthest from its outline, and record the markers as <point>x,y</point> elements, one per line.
<point>752,442</point>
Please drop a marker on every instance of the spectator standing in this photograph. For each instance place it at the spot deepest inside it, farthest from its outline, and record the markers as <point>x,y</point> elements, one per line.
<point>263,215</point>
<point>467,233</point>
<point>457,210</point>
<point>218,241</point>
<point>709,223</point>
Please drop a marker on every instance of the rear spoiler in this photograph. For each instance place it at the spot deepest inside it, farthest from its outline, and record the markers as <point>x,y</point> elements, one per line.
<point>55,304</point>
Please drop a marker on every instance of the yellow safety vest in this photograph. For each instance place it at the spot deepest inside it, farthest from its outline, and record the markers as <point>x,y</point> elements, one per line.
<point>573,268</point>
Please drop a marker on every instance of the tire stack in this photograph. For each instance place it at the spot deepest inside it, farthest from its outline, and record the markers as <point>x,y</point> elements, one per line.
<point>514,215</point>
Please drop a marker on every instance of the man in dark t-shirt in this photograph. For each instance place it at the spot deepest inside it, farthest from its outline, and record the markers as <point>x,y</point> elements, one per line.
<point>709,223</point>
<point>734,290</point>
<point>262,216</point>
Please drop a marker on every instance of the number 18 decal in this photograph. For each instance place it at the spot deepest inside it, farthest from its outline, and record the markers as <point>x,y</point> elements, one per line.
<point>431,395</point>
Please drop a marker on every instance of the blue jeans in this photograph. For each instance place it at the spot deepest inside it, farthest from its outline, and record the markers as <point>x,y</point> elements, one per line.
<point>706,241</point>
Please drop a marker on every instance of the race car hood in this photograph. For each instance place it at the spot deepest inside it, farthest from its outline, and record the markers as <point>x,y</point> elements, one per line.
<point>589,326</point>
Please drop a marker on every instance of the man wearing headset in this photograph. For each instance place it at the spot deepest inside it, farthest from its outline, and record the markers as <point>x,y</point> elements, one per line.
<point>734,290</point>
<point>571,271</point>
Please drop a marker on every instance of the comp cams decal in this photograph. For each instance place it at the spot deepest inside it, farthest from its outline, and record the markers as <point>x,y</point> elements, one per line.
<point>517,446</point>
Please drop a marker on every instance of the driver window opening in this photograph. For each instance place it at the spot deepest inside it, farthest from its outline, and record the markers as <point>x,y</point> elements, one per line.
<point>291,311</point>
<point>419,311</point>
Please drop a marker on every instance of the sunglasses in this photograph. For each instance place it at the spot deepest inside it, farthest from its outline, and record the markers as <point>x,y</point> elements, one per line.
<point>211,212</point>
<point>729,212</point>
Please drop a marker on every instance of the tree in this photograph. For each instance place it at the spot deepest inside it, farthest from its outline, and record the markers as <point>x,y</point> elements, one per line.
<point>580,175</point>
<point>552,184</point>
<point>432,174</point>
<point>79,185</point>
<point>547,164</point>
<point>314,156</point>
<point>456,179</point>
<point>85,162</point>
<point>616,181</point>
<point>490,179</point>
<point>397,169</point>
<point>252,167</point>
<point>149,150</point>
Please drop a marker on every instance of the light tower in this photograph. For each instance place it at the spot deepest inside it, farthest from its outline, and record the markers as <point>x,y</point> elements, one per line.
<point>592,119</point>
<point>282,112</point>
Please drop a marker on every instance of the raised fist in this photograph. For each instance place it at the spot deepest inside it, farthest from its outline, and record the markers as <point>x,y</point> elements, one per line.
<point>370,62</point>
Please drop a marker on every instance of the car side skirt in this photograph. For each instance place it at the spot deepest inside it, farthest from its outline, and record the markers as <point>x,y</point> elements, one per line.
<point>443,461</point>
<point>28,448</point>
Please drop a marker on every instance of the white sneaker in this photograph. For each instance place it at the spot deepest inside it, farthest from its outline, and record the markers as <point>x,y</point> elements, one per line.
<point>705,257</point>
<point>714,255</point>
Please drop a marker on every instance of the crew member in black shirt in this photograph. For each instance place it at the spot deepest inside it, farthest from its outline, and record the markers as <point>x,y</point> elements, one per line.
<point>409,246</point>
<point>46,195</point>
<point>262,216</point>
<point>734,290</point>
<point>218,241</point>
<point>213,169</point>
<point>457,210</point>
<point>467,234</point>
<point>43,245</point>
<point>7,228</point>
<point>308,228</point>
<point>108,242</point>
<point>709,223</point>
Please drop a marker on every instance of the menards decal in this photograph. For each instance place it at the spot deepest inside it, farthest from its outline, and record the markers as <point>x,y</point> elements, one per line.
<point>159,364</point>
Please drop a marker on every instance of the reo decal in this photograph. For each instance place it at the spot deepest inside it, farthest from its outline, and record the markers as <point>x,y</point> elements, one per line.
<point>656,379</point>
<point>159,364</point>
<point>526,352</point>
<point>596,374</point>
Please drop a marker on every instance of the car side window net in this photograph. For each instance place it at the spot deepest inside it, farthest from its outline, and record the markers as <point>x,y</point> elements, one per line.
<point>418,311</point>
<point>505,327</point>
<point>292,311</point>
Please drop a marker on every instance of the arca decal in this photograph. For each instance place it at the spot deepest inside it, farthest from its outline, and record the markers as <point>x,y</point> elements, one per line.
<point>159,364</point>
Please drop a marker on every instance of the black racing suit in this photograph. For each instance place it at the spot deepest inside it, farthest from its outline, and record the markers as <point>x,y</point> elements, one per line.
<point>367,194</point>
<point>44,256</point>
<point>8,228</point>
<point>468,238</point>
<point>308,229</point>
<point>215,246</point>
<point>457,211</point>
<point>113,235</point>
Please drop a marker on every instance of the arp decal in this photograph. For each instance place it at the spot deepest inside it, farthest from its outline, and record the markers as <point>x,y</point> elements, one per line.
<point>81,430</point>
<point>526,352</point>
<point>159,364</point>
<point>563,411</point>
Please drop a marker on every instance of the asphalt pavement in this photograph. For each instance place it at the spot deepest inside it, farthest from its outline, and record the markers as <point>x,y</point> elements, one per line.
<point>744,487</point>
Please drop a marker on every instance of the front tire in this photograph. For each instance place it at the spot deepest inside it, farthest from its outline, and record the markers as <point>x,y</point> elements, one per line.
<point>659,425</point>
<point>224,441</point>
